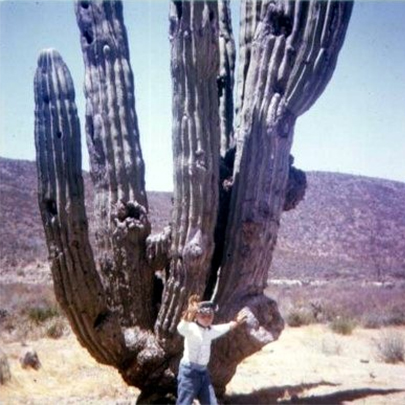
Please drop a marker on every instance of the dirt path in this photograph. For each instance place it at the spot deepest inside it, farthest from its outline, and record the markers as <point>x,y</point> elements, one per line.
<point>308,365</point>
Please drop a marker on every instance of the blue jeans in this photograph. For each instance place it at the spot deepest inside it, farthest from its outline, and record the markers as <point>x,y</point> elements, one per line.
<point>194,383</point>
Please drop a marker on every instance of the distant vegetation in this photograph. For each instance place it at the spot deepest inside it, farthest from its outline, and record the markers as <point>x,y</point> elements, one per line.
<point>391,347</point>
<point>348,227</point>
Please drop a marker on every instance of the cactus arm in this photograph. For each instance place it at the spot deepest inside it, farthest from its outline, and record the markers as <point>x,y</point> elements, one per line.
<point>286,41</point>
<point>250,12</point>
<point>316,53</point>
<point>133,350</point>
<point>226,75</point>
<point>196,136</point>
<point>60,194</point>
<point>117,165</point>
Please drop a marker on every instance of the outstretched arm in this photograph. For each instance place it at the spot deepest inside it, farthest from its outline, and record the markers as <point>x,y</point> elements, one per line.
<point>219,330</point>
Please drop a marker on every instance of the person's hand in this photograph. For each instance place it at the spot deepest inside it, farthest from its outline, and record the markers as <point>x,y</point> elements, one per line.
<point>242,316</point>
<point>191,311</point>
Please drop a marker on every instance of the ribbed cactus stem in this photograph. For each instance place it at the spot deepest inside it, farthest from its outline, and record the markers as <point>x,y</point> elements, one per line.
<point>60,193</point>
<point>112,125</point>
<point>293,54</point>
<point>313,56</point>
<point>117,166</point>
<point>196,135</point>
<point>250,12</point>
<point>290,52</point>
<point>226,79</point>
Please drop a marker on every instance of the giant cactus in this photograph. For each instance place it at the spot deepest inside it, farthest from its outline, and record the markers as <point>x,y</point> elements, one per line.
<point>231,183</point>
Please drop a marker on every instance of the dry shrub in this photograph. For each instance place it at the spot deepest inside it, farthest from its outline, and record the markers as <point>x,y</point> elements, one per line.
<point>5,374</point>
<point>30,312</point>
<point>56,329</point>
<point>391,348</point>
<point>299,317</point>
<point>396,316</point>
<point>16,297</point>
<point>41,314</point>
<point>374,321</point>
<point>368,305</point>
<point>343,325</point>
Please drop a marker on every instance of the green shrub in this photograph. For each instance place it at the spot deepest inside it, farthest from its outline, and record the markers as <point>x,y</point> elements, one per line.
<point>343,325</point>
<point>391,348</point>
<point>39,315</point>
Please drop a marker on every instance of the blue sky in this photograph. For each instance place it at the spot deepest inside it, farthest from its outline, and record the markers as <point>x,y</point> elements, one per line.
<point>357,126</point>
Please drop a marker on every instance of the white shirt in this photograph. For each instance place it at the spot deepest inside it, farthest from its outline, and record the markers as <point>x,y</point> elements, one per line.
<point>197,340</point>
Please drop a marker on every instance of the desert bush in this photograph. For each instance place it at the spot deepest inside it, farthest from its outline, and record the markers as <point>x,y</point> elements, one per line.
<point>56,329</point>
<point>39,315</point>
<point>392,316</point>
<point>8,322</point>
<point>16,297</point>
<point>369,306</point>
<point>3,314</point>
<point>299,317</point>
<point>396,316</point>
<point>391,348</point>
<point>374,321</point>
<point>343,325</point>
<point>29,312</point>
<point>5,374</point>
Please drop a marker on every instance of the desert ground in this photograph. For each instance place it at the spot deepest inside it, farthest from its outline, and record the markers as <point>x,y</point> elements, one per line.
<point>309,365</point>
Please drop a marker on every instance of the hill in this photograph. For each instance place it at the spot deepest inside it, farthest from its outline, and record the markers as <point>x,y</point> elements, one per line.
<point>23,252</point>
<point>346,227</point>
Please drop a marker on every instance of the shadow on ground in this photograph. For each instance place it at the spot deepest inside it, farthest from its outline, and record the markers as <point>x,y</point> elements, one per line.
<point>292,395</point>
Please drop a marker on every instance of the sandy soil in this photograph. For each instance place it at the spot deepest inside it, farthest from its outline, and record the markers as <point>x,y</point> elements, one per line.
<point>308,365</point>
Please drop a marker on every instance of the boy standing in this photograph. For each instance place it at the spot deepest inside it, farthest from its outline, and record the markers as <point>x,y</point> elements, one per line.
<point>196,327</point>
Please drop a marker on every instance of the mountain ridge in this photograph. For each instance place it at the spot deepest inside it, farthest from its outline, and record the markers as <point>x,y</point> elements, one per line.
<point>346,227</point>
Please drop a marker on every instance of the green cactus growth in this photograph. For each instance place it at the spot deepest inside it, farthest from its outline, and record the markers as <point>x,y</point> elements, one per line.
<point>231,181</point>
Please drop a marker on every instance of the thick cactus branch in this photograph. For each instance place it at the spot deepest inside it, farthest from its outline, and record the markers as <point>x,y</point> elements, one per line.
<point>196,134</point>
<point>117,166</point>
<point>226,75</point>
<point>279,84</point>
<point>60,192</point>
<point>312,51</point>
<point>249,17</point>
<point>287,39</point>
